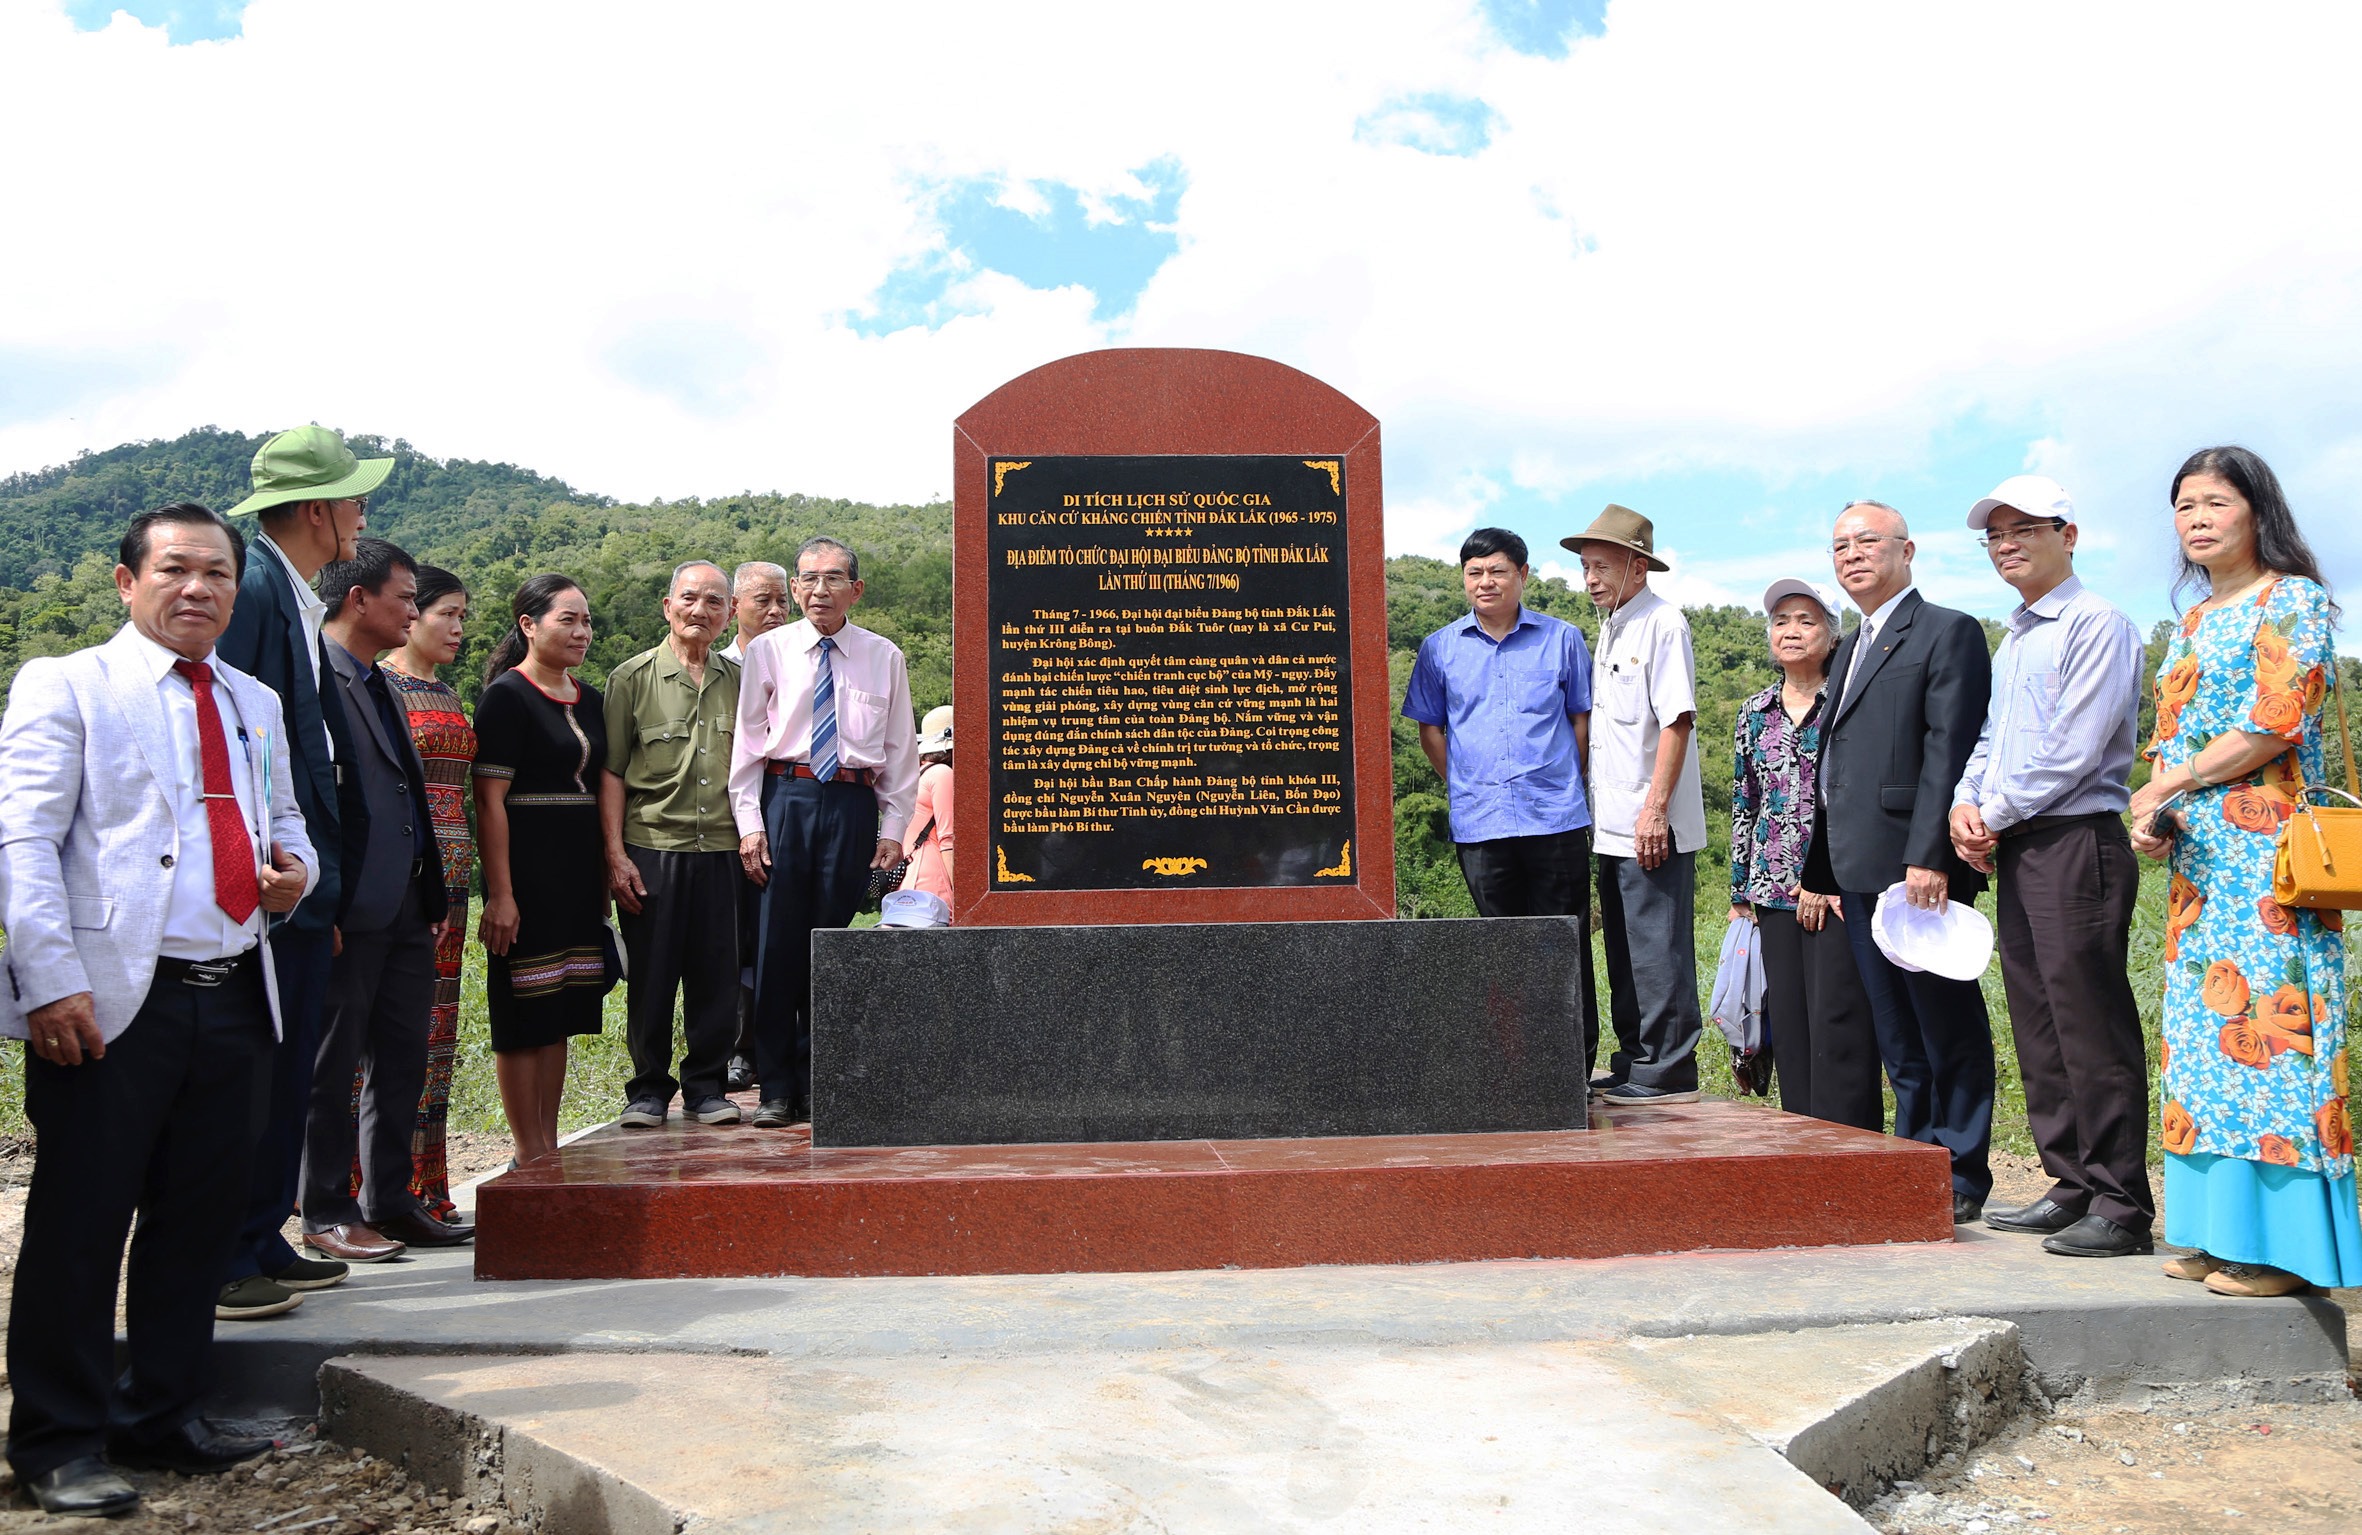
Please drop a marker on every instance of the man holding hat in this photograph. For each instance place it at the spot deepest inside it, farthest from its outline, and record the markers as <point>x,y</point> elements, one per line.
<point>1909,686</point>
<point>2043,800</point>
<point>1648,814</point>
<point>311,502</point>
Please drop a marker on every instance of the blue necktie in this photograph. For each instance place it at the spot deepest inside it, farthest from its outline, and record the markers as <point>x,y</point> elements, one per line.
<point>824,716</point>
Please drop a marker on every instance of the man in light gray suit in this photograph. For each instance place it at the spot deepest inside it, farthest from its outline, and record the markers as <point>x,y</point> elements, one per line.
<point>148,821</point>
<point>390,910</point>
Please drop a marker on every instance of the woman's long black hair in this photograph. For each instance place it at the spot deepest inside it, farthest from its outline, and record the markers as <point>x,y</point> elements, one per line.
<point>533,600</point>
<point>2278,544</point>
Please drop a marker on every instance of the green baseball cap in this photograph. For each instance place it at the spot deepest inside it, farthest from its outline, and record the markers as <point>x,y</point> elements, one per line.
<point>310,463</point>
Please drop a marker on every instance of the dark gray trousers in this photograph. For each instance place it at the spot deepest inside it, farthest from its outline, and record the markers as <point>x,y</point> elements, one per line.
<point>381,998</point>
<point>1647,923</point>
<point>2065,908</point>
<point>684,941</point>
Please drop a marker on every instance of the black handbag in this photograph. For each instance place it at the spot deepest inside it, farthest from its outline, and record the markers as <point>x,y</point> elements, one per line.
<point>884,882</point>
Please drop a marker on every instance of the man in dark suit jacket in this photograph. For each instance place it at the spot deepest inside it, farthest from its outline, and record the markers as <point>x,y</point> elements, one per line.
<point>311,495</point>
<point>381,986</point>
<point>1909,688</point>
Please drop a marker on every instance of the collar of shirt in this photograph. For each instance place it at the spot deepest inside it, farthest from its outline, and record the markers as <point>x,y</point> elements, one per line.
<point>2049,605</point>
<point>1527,618</point>
<point>1775,697</point>
<point>1873,622</point>
<point>307,601</point>
<point>1638,606</point>
<point>800,637</point>
<point>161,661</point>
<point>668,664</point>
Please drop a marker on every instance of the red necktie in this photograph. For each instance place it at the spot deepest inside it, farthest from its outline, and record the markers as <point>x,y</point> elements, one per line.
<point>234,889</point>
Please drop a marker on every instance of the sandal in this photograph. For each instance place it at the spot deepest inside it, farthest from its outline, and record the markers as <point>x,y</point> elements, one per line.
<point>2254,1279</point>
<point>2194,1265</point>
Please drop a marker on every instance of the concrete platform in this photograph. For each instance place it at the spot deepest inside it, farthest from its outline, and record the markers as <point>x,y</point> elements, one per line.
<point>696,1200</point>
<point>1521,1436</point>
<point>2113,1326</point>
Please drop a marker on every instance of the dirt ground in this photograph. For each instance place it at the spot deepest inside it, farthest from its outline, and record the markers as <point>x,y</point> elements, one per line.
<point>2165,1471</point>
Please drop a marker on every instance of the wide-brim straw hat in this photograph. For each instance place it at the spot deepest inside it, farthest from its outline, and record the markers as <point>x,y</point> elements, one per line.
<point>310,463</point>
<point>1623,527</point>
<point>935,730</point>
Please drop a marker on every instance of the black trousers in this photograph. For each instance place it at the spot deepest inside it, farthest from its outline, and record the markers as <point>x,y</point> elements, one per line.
<point>2067,890</point>
<point>165,1126</point>
<point>302,960</point>
<point>1937,1042</point>
<point>1823,1041</point>
<point>684,941</point>
<point>823,836</point>
<point>1545,876</point>
<point>1648,930</point>
<point>381,998</point>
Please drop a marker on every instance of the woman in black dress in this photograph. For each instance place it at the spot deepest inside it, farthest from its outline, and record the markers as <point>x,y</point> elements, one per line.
<point>541,736</point>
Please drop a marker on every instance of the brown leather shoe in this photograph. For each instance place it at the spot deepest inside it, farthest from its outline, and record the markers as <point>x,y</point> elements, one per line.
<point>353,1243</point>
<point>419,1229</point>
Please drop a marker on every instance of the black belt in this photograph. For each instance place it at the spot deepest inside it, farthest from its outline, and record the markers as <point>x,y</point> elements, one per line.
<point>207,973</point>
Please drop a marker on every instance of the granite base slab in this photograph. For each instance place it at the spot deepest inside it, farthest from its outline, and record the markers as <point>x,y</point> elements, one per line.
<point>710,1201</point>
<point>1182,1031</point>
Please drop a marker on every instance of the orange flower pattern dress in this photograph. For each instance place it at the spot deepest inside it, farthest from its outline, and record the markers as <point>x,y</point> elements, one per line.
<point>2254,1018</point>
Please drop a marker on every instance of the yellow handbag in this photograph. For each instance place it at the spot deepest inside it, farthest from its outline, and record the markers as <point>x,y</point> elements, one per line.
<point>2320,859</point>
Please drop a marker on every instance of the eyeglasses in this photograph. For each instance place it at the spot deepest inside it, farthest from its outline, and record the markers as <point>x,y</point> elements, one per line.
<point>1866,542</point>
<point>2020,533</point>
<point>824,581</point>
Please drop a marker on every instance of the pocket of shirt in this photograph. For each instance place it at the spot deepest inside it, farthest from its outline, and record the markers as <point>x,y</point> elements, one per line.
<point>2038,696</point>
<point>860,718</point>
<point>89,910</point>
<point>1624,694</point>
<point>664,747</point>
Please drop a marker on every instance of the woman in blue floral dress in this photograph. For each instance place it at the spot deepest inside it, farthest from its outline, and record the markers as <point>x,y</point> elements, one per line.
<point>2259,1169</point>
<point>1814,1007</point>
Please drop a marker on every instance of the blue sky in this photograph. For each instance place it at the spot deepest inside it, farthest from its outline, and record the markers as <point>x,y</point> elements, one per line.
<point>1727,263</point>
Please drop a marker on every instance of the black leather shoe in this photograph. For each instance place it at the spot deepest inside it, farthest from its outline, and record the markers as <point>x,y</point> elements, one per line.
<point>2044,1215</point>
<point>1965,1210</point>
<point>2096,1236</point>
<point>418,1229</point>
<point>741,1074</point>
<point>88,1488</point>
<point>193,1449</point>
<point>775,1114</point>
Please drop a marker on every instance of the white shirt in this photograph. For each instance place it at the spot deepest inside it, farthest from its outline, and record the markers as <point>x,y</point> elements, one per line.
<point>736,649</point>
<point>194,926</point>
<point>875,728</point>
<point>1643,678</point>
<point>312,612</point>
<point>1871,624</point>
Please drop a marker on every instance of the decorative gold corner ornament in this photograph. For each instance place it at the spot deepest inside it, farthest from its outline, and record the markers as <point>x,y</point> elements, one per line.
<point>1007,875</point>
<point>1336,481</point>
<point>1002,469</point>
<point>1173,868</point>
<point>1344,868</point>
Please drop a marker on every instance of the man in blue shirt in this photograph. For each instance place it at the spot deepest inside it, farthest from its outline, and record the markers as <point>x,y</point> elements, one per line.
<point>2043,798</point>
<point>1503,703</point>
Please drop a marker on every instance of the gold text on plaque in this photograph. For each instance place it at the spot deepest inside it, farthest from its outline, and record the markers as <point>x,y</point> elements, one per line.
<point>1173,868</point>
<point>1006,467</point>
<point>1007,875</point>
<point>1344,868</point>
<point>1336,485</point>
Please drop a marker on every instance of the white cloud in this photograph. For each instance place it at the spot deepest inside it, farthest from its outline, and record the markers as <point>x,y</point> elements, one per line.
<point>1779,244</point>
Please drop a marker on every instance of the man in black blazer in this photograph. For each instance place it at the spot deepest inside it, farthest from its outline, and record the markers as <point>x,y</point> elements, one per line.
<point>311,495</point>
<point>1908,694</point>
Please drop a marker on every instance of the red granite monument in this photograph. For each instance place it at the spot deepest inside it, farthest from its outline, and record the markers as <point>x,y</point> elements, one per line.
<point>1169,643</point>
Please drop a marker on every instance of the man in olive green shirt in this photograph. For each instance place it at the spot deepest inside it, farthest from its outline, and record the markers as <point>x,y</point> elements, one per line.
<point>672,851</point>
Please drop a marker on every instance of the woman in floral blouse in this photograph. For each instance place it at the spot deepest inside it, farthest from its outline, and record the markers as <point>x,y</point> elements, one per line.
<point>2259,1166</point>
<point>1816,1012</point>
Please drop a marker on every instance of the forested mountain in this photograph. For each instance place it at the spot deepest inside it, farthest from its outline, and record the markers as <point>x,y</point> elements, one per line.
<point>496,524</point>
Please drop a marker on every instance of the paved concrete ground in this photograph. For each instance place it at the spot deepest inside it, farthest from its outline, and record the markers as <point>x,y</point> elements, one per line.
<point>1518,1436</point>
<point>2115,1323</point>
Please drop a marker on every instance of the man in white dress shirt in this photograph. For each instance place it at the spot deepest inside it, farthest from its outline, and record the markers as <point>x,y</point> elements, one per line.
<point>823,775</point>
<point>148,822</point>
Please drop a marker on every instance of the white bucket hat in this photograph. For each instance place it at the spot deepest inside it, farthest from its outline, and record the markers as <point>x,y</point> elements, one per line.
<point>1956,942</point>
<point>2037,495</point>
